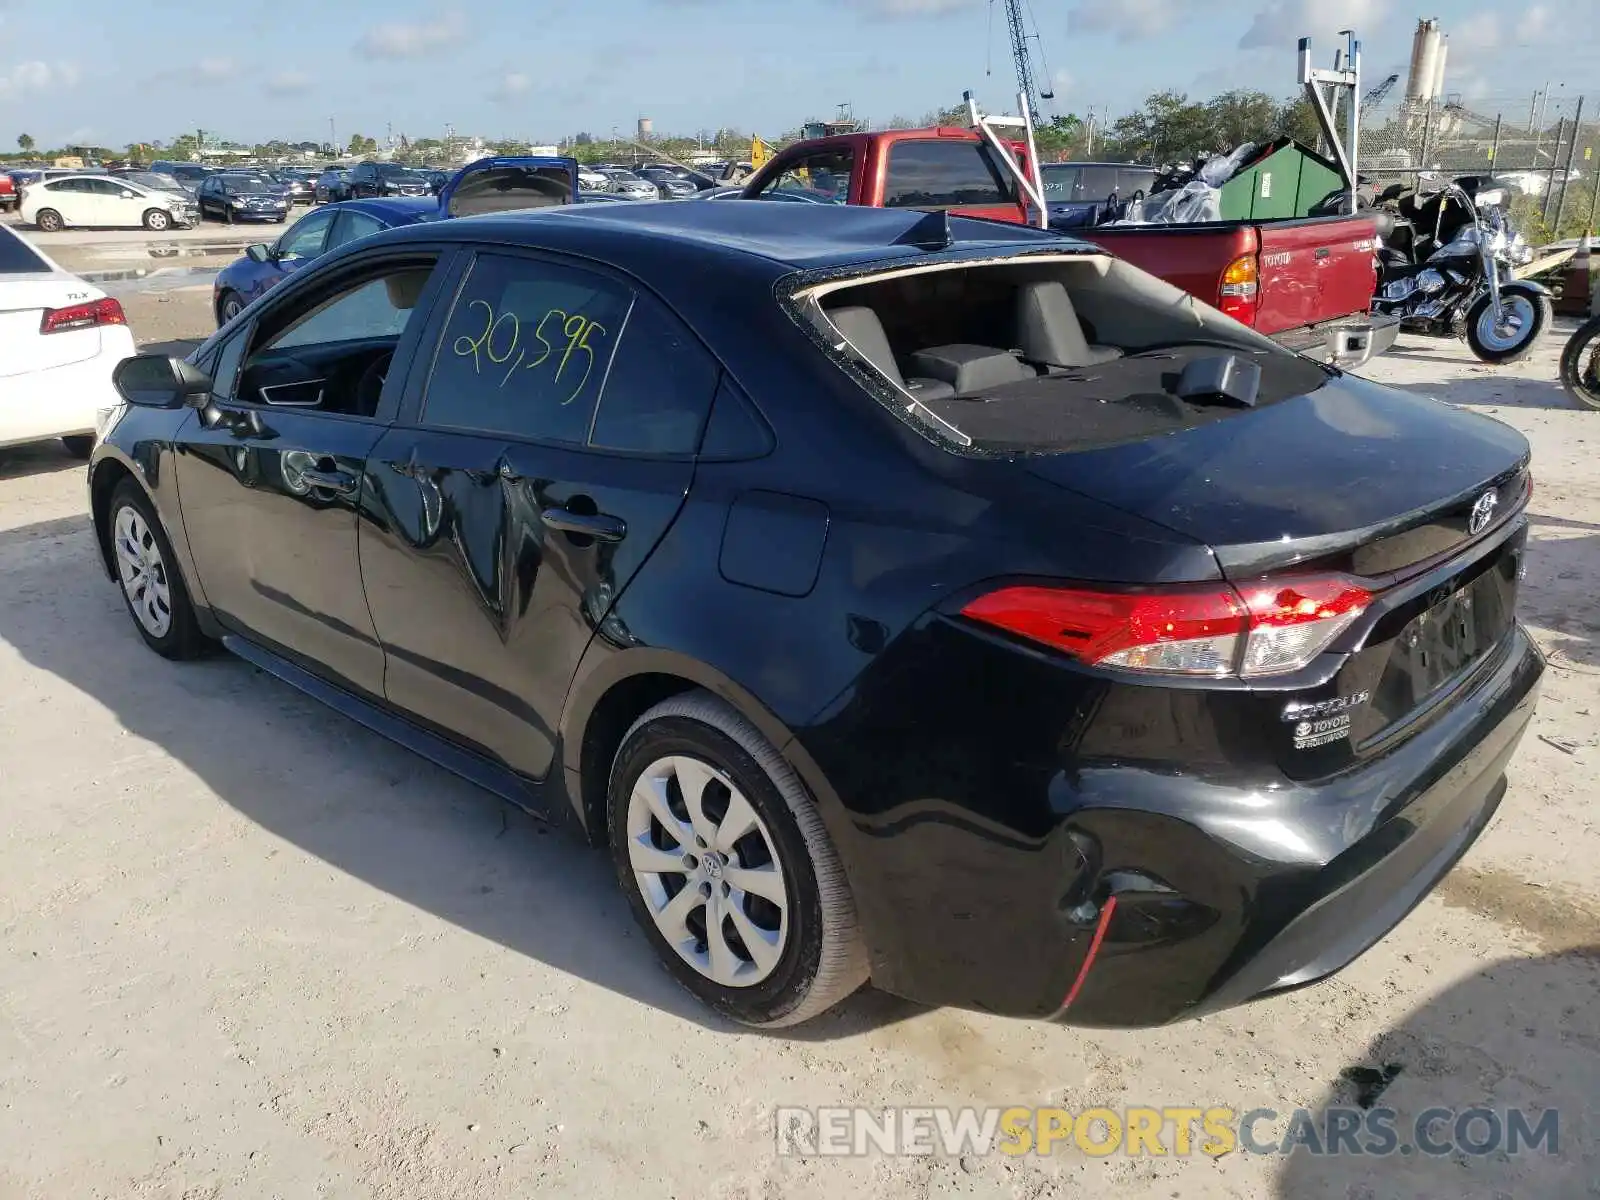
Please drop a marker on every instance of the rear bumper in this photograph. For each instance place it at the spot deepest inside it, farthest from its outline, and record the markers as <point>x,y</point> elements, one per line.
<point>983,866</point>
<point>64,400</point>
<point>1346,343</point>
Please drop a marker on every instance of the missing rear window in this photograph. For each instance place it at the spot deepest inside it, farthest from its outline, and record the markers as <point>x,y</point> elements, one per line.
<point>1048,353</point>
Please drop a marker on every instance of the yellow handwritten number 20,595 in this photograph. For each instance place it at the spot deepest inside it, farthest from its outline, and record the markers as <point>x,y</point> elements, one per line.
<point>575,328</point>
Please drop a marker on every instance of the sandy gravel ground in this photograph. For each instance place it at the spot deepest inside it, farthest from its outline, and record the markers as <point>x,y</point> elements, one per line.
<point>249,950</point>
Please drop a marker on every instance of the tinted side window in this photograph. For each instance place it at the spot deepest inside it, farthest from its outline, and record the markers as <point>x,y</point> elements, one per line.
<point>377,309</point>
<point>659,389</point>
<point>353,225</point>
<point>527,350</point>
<point>942,174</point>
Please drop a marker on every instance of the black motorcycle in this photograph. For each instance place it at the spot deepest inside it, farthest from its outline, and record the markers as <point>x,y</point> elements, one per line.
<point>1445,270</point>
<point>1580,364</point>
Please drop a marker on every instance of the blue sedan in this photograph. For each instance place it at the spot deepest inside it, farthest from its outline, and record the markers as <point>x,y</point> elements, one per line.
<point>307,239</point>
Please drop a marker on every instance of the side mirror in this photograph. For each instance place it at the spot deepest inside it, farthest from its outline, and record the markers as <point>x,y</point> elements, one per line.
<point>128,196</point>
<point>158,381</point>
<point>259,253</point>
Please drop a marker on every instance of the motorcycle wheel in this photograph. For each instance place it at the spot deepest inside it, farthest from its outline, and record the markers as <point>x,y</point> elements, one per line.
<point>1527,315</point>
<point>1580,364</point>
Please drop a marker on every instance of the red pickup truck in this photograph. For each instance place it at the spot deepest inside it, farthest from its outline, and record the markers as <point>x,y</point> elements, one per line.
<point>1306,283</point>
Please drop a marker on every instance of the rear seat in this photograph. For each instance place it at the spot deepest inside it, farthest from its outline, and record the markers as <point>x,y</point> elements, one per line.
<point>863,330</point>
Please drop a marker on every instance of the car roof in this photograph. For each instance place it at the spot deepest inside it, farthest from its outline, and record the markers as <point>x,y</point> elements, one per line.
<point>396,208</point>
<point>646,239</point>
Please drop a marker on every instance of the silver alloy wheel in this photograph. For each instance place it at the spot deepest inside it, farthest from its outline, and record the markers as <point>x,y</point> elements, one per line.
<point>708,871</point>
<point>1507,329</point>
<point>143,573</point>
<point>231,308</point>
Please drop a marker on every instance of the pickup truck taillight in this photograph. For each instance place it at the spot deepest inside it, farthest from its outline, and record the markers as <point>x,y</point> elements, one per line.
<point>1240,290</point>
<point>82,316</point>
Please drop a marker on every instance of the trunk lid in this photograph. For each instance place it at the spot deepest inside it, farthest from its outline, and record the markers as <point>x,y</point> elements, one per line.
<point>1352,475</point>
<point>1415,498</point>
<point>23,301</point>
<point>512,182</point>
<point>1314,270</point>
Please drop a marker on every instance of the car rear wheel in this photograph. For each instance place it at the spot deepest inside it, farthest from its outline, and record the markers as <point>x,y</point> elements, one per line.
<point>48,220</point>
<point>152,585</point>
<point>157,221</point>
<point>728,867</point>
<point>229,307</point>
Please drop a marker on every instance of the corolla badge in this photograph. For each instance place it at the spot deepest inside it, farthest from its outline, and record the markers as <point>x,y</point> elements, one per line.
<point>1482,513</point>
<point>1323,722</point>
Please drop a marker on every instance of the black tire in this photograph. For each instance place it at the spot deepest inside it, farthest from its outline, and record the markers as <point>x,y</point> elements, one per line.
<point>79,445</point>
<point>157,220</point>
<point>228,307</point>
<point>1533,310</point>
<point>48,220</point>
<point>1580,364</point>
<point>182,639</point>
<point>822,959</point>
<point>227,215</point>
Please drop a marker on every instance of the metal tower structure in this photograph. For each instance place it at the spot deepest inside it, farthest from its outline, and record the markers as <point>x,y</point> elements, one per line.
<point>1022,55</point>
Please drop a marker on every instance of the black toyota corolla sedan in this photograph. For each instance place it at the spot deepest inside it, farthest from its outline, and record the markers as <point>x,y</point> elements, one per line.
<point>897,597</point>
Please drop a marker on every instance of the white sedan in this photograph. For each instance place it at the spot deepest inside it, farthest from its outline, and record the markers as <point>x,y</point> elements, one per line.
<point>105,202</point>
<point>59,340</point>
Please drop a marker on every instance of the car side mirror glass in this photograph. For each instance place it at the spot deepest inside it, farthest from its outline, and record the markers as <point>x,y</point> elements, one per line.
<point>259,253</point>
<point>127,195</point>
<point>160,381</point>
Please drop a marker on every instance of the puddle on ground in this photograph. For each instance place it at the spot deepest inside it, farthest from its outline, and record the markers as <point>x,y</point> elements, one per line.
<point>1559,919</point>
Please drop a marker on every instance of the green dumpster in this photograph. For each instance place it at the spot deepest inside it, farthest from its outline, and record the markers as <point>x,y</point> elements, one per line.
<point>1282,179</point>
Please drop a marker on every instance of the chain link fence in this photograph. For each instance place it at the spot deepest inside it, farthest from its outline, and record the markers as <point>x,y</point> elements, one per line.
<point>1545,150</point>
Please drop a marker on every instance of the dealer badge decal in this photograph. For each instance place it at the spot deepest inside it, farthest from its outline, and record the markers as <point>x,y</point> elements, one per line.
<point>1322,722</point>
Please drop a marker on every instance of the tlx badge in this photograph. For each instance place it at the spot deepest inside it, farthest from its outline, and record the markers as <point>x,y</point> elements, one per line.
<point>1321,722</point>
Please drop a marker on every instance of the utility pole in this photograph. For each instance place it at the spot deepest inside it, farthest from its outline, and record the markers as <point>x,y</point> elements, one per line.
<point>1555,161</point>
<point>1572,154</point>
<point>333,139</point>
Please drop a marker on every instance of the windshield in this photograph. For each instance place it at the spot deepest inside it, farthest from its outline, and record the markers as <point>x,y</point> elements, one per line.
<point>246,184</point>
<point>153,179</point>
<point>400,174</point>
<point>1074,181</point>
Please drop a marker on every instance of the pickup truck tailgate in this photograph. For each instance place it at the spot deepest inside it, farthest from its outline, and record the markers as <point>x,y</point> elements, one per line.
<point>1315,270</point>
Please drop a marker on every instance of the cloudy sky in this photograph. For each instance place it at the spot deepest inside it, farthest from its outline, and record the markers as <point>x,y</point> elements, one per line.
<point>538,69</point>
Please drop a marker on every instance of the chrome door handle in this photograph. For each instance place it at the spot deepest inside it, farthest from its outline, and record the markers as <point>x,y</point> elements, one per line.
<point>600,526</point>
<point>342,482</point>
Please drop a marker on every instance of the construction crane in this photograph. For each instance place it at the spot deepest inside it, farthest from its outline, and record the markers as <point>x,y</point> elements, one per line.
<point>1017,22</point>
<point>1375,97</point>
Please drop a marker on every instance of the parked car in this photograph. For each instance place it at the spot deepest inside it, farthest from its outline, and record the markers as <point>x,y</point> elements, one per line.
<point>489,184</point>
<point>297,187</point>
<point>9,197</point>
<point>1306,282</point>
<point>103,201</point>
<point>60,337</point>
<point>669,184</point>
<point>1076,193</point>
<point>331,186</point>
<point>591,180</point>
<point>936,601</point>
<point>187,173</point>
<point>629,186</point>
<point>385,179</point>
<point>264,266</point>
<point>234,196</point>
<point>156,181</point>
<point>435,179</point>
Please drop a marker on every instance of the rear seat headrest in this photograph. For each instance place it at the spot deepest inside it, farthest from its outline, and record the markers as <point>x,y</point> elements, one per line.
<point>1048,329</point>
<point>863,330</point>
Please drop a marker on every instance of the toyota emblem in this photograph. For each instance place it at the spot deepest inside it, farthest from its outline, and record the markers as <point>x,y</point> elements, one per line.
<point>1482,513</point>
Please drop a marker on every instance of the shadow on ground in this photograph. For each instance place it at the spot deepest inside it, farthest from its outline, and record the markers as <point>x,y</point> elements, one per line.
<point>1521,1034</point>
<point>37,458</point>
<point>354,800</point>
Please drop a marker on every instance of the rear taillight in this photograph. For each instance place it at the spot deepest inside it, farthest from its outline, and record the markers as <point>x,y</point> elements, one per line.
<point>1266,628</point>
<point>82,316</point>
<point>1240,290</point>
